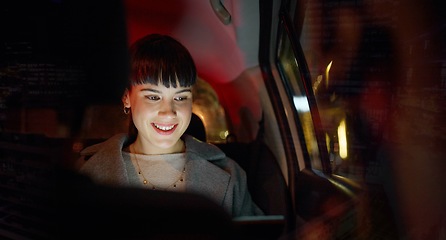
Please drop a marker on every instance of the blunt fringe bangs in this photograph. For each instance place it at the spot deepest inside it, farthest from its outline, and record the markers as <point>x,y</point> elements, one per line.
<point>159,59</point>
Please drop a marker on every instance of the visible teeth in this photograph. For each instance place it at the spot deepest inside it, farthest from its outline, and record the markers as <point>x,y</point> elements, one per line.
<point>164,128</point>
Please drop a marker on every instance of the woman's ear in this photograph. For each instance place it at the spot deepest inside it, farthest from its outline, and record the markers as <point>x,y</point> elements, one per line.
<point>126,99</point>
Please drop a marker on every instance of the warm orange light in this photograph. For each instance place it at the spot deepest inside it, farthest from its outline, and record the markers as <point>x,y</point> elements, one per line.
<point>342,138</point>
<point>327,73</point>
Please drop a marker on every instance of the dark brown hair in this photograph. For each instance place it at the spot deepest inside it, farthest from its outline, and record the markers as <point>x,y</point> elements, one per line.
<point>158,58</point>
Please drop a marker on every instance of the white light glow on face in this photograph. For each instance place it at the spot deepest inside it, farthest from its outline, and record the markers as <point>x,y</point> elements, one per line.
<point>301,104</point>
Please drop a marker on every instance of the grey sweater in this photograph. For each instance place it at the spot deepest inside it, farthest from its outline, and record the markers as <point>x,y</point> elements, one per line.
<point>209,172</point>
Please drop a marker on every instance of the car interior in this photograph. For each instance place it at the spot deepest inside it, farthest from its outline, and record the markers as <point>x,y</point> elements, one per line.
<point>83,52</point>
<point>268,94</point>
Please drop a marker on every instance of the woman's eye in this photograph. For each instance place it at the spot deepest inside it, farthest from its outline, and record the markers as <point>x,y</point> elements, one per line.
<point>180,98</point>
<point>153,98</point>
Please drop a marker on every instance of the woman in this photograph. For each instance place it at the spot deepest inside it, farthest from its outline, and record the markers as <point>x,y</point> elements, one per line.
<point>156,154</point>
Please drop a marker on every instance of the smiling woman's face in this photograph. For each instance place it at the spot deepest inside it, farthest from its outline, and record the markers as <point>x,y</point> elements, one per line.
<point>161,116</point>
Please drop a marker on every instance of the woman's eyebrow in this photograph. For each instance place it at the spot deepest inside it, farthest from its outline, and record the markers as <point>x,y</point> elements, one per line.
<point>158,91</point>
<point>184,90</point>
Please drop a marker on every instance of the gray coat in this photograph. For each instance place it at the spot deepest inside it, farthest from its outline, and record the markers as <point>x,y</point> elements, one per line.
<point>209,172</point>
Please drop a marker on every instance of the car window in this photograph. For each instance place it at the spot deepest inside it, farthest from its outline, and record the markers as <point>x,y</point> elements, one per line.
<point>337,90</point>
<point>292,79</point>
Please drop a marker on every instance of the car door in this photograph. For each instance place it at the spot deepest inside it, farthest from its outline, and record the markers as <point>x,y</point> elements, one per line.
<point>323,205</point>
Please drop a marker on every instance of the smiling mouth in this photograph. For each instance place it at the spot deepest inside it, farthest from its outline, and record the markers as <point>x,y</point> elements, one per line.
<point>164,127</point>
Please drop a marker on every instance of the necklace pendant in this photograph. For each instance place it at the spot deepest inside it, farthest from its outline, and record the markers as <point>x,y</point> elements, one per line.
<point>145,181</point>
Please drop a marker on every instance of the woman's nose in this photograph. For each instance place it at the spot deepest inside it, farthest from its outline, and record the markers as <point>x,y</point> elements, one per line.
<point>167,109</point>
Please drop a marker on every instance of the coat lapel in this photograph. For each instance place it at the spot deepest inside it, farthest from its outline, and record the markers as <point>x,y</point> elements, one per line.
<point>207,179</point>
<point>108,164</point>
<point>202,173</point>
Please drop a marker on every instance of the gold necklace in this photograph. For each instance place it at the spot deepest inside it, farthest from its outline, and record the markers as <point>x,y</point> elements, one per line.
<point>145,181</point>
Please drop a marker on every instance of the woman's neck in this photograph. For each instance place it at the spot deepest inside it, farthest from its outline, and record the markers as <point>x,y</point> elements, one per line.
<point>140,147</point>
